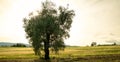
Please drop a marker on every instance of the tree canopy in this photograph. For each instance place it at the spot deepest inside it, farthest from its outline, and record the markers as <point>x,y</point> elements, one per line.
<point>48,29</point>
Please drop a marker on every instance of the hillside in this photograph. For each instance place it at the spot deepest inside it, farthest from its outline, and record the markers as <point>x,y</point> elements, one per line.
<point>10,44</point>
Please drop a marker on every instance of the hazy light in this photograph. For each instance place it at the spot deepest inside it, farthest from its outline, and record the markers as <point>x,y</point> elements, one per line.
<point>95,20</point>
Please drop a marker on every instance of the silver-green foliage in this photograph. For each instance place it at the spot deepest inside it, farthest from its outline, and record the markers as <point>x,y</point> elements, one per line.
<point>51,21</point>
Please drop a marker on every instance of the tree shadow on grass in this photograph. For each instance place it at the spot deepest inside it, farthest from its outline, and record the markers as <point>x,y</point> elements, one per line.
<point>98,58</point>
<point>92,58</point>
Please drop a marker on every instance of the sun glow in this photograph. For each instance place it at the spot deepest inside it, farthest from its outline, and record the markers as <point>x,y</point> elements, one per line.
<point>11,22</point>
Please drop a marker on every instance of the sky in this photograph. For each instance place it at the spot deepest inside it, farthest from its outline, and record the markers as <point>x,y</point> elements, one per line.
<point>95,20</point>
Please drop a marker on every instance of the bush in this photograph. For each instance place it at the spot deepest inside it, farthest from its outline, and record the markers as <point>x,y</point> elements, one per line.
<point>93,44</point>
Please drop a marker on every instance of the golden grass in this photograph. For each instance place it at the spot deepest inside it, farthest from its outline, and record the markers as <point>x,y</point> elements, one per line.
<point>15,52</point>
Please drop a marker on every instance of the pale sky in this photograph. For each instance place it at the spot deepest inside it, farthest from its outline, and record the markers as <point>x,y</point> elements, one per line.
<point>95,20</point>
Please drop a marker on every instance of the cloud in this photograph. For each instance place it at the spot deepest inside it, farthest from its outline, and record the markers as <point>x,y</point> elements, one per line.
<point>108,37</point>
<point>113,41</point>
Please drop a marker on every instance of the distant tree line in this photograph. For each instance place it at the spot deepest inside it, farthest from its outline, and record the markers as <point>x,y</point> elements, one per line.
<point>114,44</point>
<point>19,45</point>
<point>95,44</point>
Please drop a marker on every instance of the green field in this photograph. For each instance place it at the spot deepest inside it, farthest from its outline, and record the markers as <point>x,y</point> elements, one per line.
<point>70,54</point>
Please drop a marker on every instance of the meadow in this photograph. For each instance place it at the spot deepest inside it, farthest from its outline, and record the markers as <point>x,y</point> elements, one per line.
<point>70,54</point>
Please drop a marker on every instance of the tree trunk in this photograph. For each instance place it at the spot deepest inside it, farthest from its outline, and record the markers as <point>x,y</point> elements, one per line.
<point>46,47</point>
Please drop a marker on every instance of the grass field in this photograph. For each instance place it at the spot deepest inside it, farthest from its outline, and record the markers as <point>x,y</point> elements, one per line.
<point>70,54</point>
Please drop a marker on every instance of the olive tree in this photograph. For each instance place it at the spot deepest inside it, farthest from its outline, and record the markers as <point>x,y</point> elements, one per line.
<point>47,30</point>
